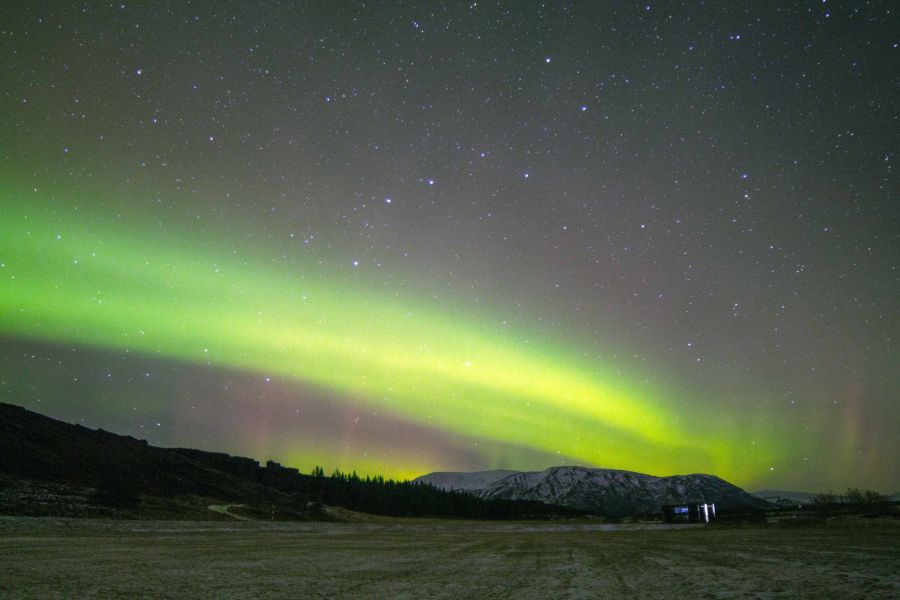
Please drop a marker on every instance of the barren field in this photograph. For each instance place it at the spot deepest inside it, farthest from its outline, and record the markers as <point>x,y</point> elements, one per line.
<point>55,558</point>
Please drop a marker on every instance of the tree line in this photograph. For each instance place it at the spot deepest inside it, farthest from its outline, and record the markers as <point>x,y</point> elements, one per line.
<point>851,496</point>
<point>379,496</point>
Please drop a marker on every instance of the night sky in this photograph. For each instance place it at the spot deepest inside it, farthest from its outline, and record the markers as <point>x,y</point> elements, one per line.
<point>406,237</point>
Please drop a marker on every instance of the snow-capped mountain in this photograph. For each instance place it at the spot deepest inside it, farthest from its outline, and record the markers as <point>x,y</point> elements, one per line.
<point>465,482</point>
<point>606,491</point>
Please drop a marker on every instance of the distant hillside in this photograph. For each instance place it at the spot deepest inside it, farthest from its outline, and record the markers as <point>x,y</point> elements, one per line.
<point>784,498</point>
<point>604,491</point>
<point>51,467</point>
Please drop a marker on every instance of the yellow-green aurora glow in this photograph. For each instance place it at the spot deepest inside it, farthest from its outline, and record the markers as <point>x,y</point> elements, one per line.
<point>94,279</point>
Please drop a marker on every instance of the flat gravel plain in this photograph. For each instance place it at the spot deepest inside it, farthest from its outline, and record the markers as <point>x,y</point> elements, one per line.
<point>60,558</point>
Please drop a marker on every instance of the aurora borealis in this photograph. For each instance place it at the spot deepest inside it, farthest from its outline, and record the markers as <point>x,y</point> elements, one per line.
<point>400,239</point>
<point>120,290</point>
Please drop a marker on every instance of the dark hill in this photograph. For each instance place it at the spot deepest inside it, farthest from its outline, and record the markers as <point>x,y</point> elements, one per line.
<point>33,446</point>
<point>95,470</point>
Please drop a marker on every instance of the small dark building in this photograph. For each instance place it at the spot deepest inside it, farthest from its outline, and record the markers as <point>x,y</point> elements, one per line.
<point>689,512</point>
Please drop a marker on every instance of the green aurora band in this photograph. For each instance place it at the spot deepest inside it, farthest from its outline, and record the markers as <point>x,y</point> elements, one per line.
<point>81,276</point>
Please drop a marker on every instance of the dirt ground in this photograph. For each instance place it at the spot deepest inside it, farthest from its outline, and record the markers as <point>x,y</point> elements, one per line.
<point>55,558</point>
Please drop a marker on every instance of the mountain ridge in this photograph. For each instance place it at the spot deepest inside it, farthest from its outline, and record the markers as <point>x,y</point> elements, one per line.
<point>614,492</point>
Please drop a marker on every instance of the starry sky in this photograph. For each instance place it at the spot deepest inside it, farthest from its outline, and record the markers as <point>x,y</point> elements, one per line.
<point>401,237</point>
